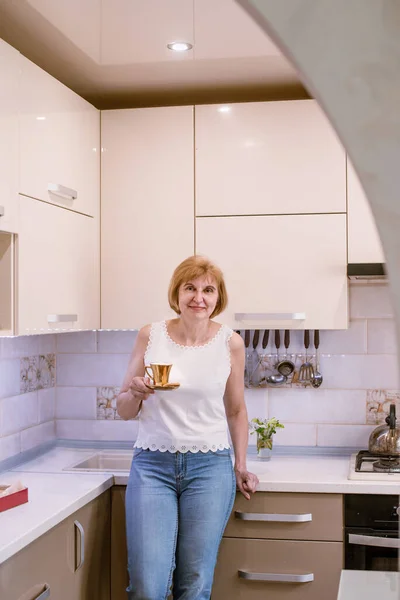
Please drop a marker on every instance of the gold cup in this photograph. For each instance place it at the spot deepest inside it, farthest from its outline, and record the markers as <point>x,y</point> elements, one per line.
<point>159,374</point>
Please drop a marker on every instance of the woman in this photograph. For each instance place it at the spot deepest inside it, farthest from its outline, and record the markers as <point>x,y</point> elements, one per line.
<point>182,483</point>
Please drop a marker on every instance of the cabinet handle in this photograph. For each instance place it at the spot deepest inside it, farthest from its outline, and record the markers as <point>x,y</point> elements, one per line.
<point>370,540</point>
<point>270,316</point>
<point>62,318</point>
<point>274,517</point>
<point>40,591</point>
<point>82,538</point>
<point>1,211</point>
<point>61,190</point>
<point>276,577</point>
<point>45,593</point>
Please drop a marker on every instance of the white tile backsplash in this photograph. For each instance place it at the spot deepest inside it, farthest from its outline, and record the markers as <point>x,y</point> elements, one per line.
<point>77,342</point>
<point>319,406</point>
<point>256,402</point>
<point>97,430</point>
<point>350,341</point>
<point>377,371</point>
<point>116,342</point>
<point>10,445</point>
<point>47,404</point>
<point>357,364</point>
<point>382,336</point>
<point>91,369</point>
<point>351,436</point>
<point>19,412</point>
<point>370,302</point>
<point>9,377</point>
<point>39,434</point>
<point>76,403</point>
<point>297,434</point>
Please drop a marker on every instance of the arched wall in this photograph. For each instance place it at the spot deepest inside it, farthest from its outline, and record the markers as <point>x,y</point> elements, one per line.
<point>347,53</point>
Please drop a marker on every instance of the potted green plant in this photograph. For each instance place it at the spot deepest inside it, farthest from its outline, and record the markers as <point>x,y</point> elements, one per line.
<point>265,429</point>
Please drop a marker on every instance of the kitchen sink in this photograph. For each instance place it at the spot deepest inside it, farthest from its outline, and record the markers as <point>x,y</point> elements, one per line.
<point>104,461</point>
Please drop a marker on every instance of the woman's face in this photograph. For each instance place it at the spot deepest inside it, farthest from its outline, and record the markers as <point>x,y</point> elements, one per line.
<point>198,297</point>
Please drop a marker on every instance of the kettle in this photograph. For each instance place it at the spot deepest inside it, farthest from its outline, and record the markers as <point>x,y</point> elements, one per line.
<point>385,439</point>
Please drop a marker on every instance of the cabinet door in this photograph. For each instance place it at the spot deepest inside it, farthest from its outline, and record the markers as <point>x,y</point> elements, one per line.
<point>281,271</point>
<point>119,558</point>
<point>47,561</point>
<point>59,142</point>
<point>364,243</point>
<point>245,568</point>
<point>58,269</point>
<point>147,210</point>
<point>268,158</point>
<point>90,528</point>
<point>9,78</point>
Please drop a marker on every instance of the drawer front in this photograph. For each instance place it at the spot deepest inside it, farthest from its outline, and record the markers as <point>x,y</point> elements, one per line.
<point>287,516</point>
<point>249,570</point>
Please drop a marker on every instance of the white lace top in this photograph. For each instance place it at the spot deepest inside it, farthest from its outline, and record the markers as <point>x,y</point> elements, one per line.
<point>192,417</point>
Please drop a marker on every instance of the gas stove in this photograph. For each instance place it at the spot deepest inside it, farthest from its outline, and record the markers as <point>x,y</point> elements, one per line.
<point>365,466</point>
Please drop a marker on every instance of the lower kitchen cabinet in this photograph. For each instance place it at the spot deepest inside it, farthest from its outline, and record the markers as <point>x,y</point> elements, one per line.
<point>251,569</point>
<point>92,578</point>
<point>119,558</point>
<point>281,545</point>
<point>72,560</point>
<point>58,258</point>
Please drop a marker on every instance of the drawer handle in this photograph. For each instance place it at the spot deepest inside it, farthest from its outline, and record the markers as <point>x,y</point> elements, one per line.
<point>61,190</point>
<point>45,593</point>
<point>43,589</point>
<point>62,318</point>
<point>270,316</point>
<point>277,577</point>
<point>1,211</point>
<point>82,538</point>
<point>370,540</point>
<point>275,517</point>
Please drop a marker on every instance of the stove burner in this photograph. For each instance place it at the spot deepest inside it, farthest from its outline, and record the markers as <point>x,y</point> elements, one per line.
<point>368,463</point>
<point>387,465</point>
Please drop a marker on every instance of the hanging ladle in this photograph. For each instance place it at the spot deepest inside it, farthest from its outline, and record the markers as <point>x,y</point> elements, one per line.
<point>277,378</point>
<point>286,367</point>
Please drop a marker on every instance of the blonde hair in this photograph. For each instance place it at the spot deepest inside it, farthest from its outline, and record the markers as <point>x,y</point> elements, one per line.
<point>192,268</point>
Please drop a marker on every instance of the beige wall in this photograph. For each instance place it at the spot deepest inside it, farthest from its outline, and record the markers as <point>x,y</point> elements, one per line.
<point>348,55</point>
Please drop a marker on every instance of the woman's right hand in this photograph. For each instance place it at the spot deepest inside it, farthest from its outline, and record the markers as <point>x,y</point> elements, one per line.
<point>139,390</point>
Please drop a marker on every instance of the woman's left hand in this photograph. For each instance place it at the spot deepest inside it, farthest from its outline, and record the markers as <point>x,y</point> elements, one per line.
<point>247,482</point>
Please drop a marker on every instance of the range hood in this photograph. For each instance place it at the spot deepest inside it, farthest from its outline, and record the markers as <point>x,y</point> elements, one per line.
<point>366,271</point>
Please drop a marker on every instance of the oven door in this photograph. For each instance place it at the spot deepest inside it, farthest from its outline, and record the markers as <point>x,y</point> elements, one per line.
<point>371,549</point>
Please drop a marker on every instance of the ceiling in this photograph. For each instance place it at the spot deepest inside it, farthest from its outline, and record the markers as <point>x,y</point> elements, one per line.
<point>114,52</point>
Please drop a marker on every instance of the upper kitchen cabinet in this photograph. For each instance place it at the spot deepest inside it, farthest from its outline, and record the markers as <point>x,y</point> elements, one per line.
<point>59,143</point>
<point>147,211</point>
<point>9,94</point>
<point>364,243</point>
<point>58,278</point>
<point>267,158</point>
<point>281,271</point>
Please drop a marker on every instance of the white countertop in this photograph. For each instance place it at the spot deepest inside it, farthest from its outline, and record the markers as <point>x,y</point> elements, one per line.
<point>52,497</point>
<point>56,493</point>
<point>369,585</point>
<point>311,473</point>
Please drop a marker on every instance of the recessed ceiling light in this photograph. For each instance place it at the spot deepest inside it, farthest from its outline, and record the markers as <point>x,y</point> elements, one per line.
<point>180,46</point>
<point>224,109</point>
<point>40,118</point>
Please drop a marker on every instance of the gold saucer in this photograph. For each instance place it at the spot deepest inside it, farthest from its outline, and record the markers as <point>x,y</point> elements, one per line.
<point>165,387</point>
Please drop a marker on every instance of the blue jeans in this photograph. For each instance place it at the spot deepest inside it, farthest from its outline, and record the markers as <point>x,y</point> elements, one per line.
<point>177,507</point>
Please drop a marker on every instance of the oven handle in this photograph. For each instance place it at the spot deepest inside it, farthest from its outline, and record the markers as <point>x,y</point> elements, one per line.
<point>370,540</point>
